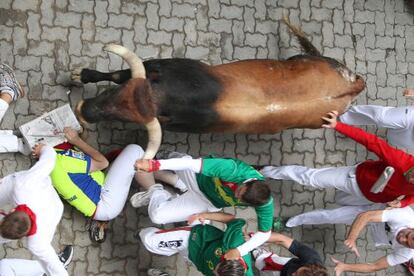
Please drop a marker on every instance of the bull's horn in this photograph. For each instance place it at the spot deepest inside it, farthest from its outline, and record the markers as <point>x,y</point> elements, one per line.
<point>154,138</point>
<point>134,62</point>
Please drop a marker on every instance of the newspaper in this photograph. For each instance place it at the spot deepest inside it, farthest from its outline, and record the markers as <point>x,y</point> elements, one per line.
<point>48,128</point>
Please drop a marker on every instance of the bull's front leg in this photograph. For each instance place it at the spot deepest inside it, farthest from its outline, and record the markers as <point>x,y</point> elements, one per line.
<point>85,75</point>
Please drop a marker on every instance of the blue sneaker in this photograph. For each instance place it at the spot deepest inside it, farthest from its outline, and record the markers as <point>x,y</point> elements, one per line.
<point>8,82</point>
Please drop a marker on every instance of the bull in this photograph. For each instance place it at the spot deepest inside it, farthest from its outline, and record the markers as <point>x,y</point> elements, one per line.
<point>249,96</point>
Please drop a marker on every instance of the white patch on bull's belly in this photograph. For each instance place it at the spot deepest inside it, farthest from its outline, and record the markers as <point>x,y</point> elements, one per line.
<point>271,108</point>
<point>347,74</point>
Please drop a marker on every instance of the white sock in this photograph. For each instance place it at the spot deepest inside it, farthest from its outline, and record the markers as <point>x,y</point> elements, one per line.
<point>3,108</point>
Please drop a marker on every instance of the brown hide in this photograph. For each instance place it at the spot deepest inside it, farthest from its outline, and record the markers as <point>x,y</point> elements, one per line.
<point>269,96</point>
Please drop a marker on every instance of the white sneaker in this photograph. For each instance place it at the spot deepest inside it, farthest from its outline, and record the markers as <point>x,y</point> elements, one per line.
<point>260,252</point>
<point>156,272</point>
<point>143,198</point>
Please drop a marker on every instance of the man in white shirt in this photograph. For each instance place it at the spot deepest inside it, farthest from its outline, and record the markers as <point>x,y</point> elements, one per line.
<point>37,210</point>
<point>399,235</point>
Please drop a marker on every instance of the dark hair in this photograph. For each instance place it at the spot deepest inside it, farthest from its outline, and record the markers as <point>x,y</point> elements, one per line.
<point>15,225</point>
<point>230,268</point>
<point>313,270</point>
<point>256,194</point>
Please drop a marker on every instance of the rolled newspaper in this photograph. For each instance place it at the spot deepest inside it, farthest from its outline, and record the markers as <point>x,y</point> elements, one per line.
<point>382,181</point>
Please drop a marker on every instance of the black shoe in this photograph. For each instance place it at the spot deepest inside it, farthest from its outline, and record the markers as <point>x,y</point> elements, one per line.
<point>65,256</point>
<point>97,230</point>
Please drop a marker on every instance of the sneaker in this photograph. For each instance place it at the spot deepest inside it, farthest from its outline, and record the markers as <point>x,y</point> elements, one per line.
<point>8,82</point>
<point>410,266</point>
<point>279,223</point>
<point>143,198</point>
<point>65,256</point>
<point>156,272</point>
<point>97,230</point>
<point>260,251</point>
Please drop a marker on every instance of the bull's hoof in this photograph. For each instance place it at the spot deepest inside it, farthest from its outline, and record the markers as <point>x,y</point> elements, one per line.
<point>76,78</point>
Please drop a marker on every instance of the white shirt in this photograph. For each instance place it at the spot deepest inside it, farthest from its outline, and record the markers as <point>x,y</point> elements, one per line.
<point>34,188</point>
<point>399,219</point>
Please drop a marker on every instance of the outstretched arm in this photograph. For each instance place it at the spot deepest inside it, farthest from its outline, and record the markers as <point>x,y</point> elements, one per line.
<point>396,158</point>
<point>340,267</point>
<point>215,216</point>
<point>359,223</point>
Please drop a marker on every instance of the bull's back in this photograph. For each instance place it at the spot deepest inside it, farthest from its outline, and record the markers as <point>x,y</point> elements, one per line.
<point>267,96</point>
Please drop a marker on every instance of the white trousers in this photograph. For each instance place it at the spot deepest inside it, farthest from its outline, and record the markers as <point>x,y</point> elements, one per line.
<point>341,178</point>
<point>20,267</point>
<point>117,183</point>
<point>398,120</point>
<point>164,208</point>
<point>165,242</point>
<point>343,215</point>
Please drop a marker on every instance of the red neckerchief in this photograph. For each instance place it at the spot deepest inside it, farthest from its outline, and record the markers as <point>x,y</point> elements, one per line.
<point>32,216</point>
<point>241,261</point>
<point>232,186</point>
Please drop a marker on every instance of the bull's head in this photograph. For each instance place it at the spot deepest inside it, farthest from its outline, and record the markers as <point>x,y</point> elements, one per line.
<point>131,101</point>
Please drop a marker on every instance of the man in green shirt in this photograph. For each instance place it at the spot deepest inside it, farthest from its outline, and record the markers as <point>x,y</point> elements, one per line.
<point>212,183</point>
<point>203,245</point>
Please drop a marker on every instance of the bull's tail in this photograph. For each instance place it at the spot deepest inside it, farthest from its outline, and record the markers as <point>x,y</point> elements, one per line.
<point>303,41</point>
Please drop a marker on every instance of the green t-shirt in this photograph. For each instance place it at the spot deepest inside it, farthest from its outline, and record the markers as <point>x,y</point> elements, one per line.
<point>207,244</point>
<point>218,180</point>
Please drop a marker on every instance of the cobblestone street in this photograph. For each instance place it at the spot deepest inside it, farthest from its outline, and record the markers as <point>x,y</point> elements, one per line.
<point>44,39</point>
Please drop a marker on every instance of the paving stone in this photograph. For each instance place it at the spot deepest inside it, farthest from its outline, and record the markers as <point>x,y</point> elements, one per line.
<point>33,25</point>
<point>171,24</point>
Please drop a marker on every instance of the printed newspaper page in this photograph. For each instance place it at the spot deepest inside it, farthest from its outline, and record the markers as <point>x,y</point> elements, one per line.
<point>48,128</point>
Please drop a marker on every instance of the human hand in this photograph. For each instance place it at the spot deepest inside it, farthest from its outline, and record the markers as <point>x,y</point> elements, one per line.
<point>351,244</point>
<point>232,254</point>
<point>36,150</point>
<point>331,119</point>
<point>147,165</point>
<point>71,135</point>
<point>339,266</point>
<point>200,217</point>
<point>394,204</point>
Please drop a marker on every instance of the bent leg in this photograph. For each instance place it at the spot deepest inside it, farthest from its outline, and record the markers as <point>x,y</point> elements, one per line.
<point>89,75</point>
<point>117,183</point>
<point>164,209</point>
<point>20,267</point>
<point>342,215</point>
<point>165,242</point>
<point>340,178</point>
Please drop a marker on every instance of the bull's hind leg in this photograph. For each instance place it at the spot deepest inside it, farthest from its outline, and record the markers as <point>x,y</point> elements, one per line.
<point>84,75</point>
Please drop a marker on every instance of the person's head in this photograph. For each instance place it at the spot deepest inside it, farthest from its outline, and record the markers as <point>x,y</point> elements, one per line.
<point>255,193</point>
<point>406,237</point>
<point>311,270</point>
<point>15,225</point>
<point>230,268</point>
